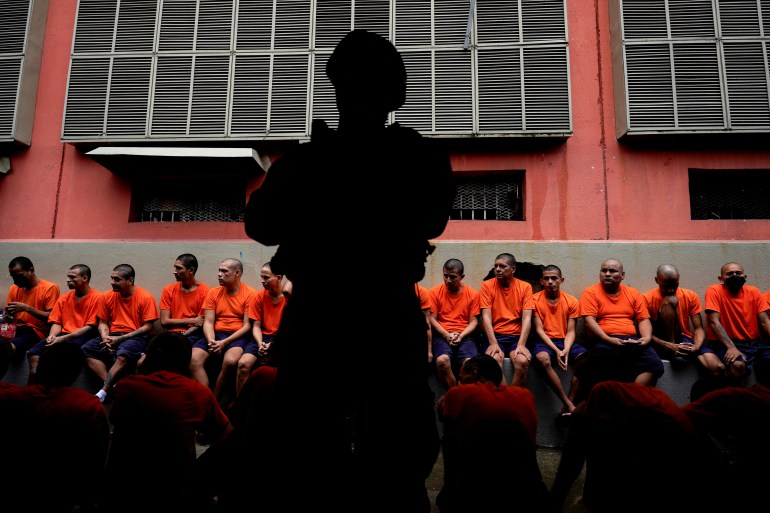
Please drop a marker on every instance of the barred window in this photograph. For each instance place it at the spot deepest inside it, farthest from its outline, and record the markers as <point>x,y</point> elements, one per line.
<point>172,200</point>
<point>684,66</point>
<point>489,197</point>
<point>254,69</point>
<point>729,193</point>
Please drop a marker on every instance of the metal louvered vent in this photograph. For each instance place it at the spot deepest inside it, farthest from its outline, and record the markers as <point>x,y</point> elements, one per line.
<point>23,23</point>
<point>689,66</point>
<point>493,197</point>
<point>165,201</point>
<point>171,70</point>
<point>729,193</point>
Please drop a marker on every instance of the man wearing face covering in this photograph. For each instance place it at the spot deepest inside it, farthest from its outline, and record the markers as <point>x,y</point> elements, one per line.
<point>29,302</point>
<point>737,322</point>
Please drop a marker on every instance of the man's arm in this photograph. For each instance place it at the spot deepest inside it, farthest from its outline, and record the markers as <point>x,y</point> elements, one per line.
<point>210,317</point>
<point>526,328</point>
<point>486,326</point>
<point>54,336</point>
<point>240,332</point>
<point>473,323</point>
<point>715,323</point>
<point>645,331</point>
<point>167,322</point>
<point>144,329</point>
<point>698,331</point>
<point>18,306</point>
<point>593,327</point>
<point>764,324</point>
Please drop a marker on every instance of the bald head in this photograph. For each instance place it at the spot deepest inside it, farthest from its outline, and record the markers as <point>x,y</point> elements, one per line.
<point>667,278</point>
<point>667,271</point>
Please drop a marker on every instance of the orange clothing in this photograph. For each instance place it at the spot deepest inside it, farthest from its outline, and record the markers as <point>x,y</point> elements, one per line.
<point>737,314</point>
<point>183,304</point>
<point>43,296</point>
<point>475,406</point>
<point>229,310</point>
<point>688,304</point>
<point>555,317</point>
<point>615,315</point>
<point>72,314</point>
<point>423,296</point>
<point>454,311</point>
<point>262,309</point>
<point>127,314</point>
<point>506,305</point>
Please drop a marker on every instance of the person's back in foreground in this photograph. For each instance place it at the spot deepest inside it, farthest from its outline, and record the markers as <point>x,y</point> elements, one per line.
<point>156,416</point>
<point>489,444</point>
<point>55,438</point>
<point>641,453</point>
<point>372,358</point>
<point>738,419</point>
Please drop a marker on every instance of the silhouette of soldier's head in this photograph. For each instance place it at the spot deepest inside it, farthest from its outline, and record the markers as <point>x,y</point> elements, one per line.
<point>368,75</point>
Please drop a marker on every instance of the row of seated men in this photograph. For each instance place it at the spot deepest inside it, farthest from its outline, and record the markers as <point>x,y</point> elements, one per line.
<point>234,324</point>
<point>505,319</point>
<point>122,280</point>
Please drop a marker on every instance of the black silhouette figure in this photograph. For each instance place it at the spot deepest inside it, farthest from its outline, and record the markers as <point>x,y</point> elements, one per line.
<point>354,403</point>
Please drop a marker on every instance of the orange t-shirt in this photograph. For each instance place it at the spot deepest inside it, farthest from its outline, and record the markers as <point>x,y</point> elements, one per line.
<point>506,305</point>
<point>127,314</point>
<point>454,311</point>
<point>72,314</point>
<point>555,317</point>
<point>475,406</point>
<point>615,315</point>
<point>229,310</point>
<point>43,297</point>
<point>737,314</point>
<point>262,309</point>
<point>183,304</point>
<point>688,304</point>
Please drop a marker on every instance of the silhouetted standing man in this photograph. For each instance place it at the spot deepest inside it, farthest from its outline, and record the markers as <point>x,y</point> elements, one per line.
<point>335,384</point>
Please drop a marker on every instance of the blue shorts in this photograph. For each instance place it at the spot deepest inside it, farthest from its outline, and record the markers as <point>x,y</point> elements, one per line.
<point>467,348</point>
<point>39,348</point>
<point>635,358</point>
<point>753,351</point>
<point>507,343</point>
<point>574,351</point>
<point>25,338</point>
<point>202,343</point>
<point>252,347</point>
<point>132,349</point>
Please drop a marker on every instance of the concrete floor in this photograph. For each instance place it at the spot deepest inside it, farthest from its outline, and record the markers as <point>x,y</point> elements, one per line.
<point>548,457</point>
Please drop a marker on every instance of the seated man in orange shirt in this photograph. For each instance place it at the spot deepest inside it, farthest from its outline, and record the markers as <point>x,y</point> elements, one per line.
<point>29,303</point>
<point>265,311</point>
<point>454,318</point>
<point>737,322</point>
<point>672,310</point>
<point>506,317</point>
<point>226,328</point>
<point>127,316</point>
<point>73,318</point>
<point>181,305</point>
<point>556,315</point>
<point>611,312</point>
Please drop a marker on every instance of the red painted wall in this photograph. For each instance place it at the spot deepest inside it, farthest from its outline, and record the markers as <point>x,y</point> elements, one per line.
<point>590,187</point>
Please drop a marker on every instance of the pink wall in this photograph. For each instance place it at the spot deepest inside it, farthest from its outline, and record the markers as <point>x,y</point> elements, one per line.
<point>590,187</point>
